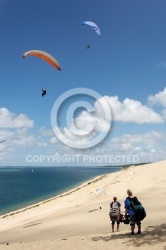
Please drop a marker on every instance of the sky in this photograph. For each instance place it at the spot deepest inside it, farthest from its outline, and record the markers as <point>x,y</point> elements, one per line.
<point>107,105</point>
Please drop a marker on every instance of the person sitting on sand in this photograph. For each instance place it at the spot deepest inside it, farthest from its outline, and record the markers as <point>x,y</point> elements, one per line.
<point>132,223</point>
<point>114,213</point>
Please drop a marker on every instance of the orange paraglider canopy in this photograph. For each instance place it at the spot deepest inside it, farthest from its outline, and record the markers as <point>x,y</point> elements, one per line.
<point>45,56</point>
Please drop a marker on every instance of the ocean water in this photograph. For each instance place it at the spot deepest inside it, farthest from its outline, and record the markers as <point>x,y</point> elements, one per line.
<point>23,186</point>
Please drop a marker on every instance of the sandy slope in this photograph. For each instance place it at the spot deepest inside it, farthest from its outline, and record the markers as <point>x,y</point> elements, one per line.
<point>75,220</point>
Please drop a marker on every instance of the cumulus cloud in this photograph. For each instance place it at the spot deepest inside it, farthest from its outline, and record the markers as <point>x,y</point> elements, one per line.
<point>53,140</point>
<point>45,132</point>
<point>146,147</point>
<point>11,120</point>
<point>88,125</point>
<point>68,135</point>
<point>149,146</point>
<point>84,127</point>
<point>131,110</point>
<point>89,121</point>
<point>42,144</point>
<point>164,113</point>
<point>138,141</point>
<point>14,129</point>
<point>158,99</point>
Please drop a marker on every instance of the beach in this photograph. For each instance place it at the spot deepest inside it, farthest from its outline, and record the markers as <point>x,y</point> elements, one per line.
<point>79,218</point>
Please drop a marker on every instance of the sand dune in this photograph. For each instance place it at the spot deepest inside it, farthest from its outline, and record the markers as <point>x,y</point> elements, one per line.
<point>79,219</point>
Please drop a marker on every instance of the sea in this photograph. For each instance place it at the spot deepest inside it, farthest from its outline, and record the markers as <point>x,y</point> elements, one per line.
<point>25,186</point>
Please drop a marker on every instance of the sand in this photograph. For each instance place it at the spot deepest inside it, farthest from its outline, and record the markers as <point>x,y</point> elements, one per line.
<point>79,219</point>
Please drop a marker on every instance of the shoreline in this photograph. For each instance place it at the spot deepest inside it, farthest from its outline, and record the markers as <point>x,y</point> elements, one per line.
<point>15,207</point>
<point>70,191</point>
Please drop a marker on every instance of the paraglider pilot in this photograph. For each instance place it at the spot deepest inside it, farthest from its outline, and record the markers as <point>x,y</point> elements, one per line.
<point>44,92</point>
<point>88,46</point>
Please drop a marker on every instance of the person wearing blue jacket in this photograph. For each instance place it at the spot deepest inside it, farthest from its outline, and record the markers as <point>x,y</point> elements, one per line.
<point>131,212</point>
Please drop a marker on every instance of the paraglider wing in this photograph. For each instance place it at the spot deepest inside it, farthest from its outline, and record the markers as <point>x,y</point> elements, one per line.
<point>93,26</point>
<point>2,141</point>
<point>45,56</point>
<point>100,192</point>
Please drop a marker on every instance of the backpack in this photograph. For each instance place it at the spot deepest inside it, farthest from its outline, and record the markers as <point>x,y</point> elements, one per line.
<point>135,209</point>
<point>126,219</point>
<point>114,211</point>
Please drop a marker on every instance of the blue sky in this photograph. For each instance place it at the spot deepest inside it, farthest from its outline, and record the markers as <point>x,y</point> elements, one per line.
<point>126,66</point>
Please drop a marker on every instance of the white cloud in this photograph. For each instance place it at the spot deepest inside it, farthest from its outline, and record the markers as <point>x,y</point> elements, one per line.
<point>138,141</point>
<point>164,113</point>
<point>53,140</point>
<point>42,144</point>
<point>132,111</point>
<point>158,99</point>
<point>14,129</point>
<point>83,129</point>
<point>149,146</point>
<point>91,121</point>
<point>11,120</point>
<point>46,132</point>
<point>88,125</point>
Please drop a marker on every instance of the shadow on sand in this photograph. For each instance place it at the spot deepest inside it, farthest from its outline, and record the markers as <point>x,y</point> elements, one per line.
<point>151,236</point>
